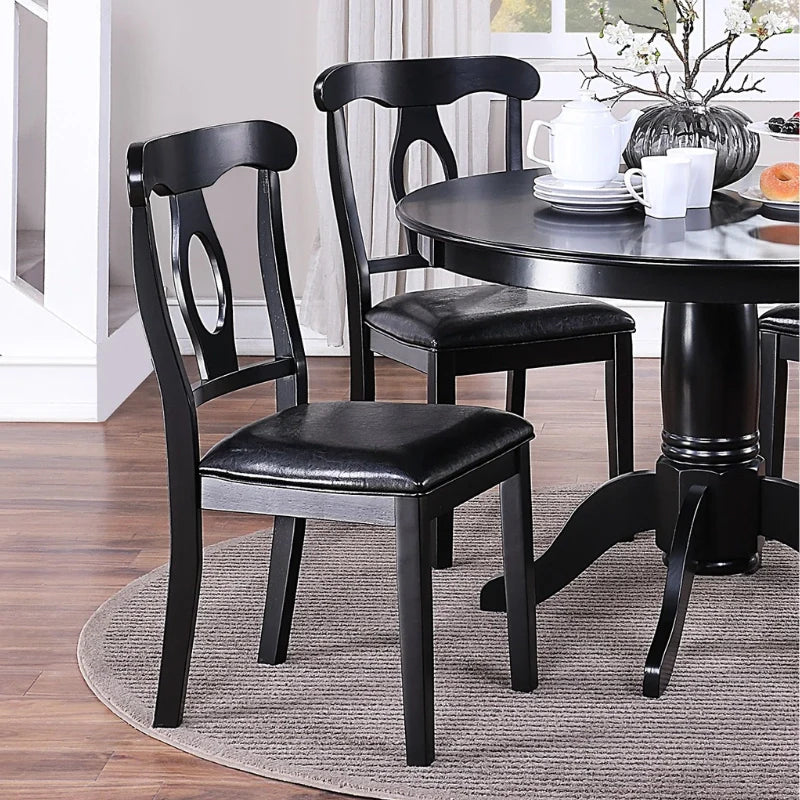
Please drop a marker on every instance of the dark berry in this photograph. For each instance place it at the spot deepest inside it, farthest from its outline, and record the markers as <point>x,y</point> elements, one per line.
<point>791,126</point>
<point>775,124</point>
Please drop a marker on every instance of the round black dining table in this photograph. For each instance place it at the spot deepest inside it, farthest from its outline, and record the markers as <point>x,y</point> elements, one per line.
<point>707,498</point>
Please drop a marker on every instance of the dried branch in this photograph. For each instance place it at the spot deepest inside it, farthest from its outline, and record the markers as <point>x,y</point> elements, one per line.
<point>728,56</point>
<point>731,71</point>
<point>755,86</point>
<point>615,80</point>
<point>708,51</point>
<point>685,91</point>
<point>686,17</point>
<point>615,98</point>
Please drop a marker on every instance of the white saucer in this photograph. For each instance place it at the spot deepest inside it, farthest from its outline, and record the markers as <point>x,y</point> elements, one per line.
<point>589,209</point>
<point>763,129</point>
<point>588,206</point>
<point>552,194</point>
<point>551,184</point>
<point>755,193</point>
<point>586,201</point>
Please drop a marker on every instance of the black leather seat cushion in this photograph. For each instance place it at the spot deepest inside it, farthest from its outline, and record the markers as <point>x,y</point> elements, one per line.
<point>781,319</point>
<point>483,316</point>
<point>376,448</point>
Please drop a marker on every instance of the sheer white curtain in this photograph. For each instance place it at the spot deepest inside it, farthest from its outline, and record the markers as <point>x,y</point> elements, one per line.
<point>363,30</point>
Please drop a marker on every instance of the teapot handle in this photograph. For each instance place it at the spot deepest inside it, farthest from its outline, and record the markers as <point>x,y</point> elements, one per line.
<point>532,143</point>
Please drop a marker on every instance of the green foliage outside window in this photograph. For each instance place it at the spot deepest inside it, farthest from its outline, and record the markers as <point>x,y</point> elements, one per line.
<point>521,16</point>
<point>583,16</point>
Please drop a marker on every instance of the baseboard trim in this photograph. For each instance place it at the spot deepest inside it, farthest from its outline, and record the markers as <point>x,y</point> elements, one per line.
<point>69,386</point>
<point>75,388</point>
<point>253,337</point>
<point>48,412</point>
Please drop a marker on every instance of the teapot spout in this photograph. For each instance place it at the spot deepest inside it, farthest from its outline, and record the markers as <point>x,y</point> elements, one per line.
<point>626,127</point>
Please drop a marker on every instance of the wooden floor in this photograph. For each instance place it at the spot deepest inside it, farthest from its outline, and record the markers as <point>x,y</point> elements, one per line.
<point>83,512</point>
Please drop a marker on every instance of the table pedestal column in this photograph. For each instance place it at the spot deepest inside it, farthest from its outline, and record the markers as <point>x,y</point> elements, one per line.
<point>709,396</point>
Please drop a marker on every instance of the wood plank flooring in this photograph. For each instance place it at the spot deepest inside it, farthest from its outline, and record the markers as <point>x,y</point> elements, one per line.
<point>83,512</point>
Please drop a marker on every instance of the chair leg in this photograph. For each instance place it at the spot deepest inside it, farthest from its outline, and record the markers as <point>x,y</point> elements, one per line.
<point>284,570</point>
<point>415,604</point>
<point>362,370</point>
<point>442,389</point>
<point>515,392</point>
<point>183,593</point>
<point>619,406</point>
<point>772,416</point>
<point>515,506</point>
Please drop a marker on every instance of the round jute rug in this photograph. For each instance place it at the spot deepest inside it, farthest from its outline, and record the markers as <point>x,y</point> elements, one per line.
<point>331,717</point>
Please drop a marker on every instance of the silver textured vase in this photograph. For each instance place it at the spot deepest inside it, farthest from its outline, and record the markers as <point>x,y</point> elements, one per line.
<point>719,127</point>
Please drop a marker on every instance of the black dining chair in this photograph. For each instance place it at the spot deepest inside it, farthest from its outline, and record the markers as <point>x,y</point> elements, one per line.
<point>392,464</point>
<point>471,329</point>
<point>779,332</point>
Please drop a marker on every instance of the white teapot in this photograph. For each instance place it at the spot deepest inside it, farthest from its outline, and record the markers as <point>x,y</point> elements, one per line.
<point>586,142</point>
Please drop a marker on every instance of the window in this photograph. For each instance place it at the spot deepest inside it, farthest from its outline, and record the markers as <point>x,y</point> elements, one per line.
<point>559,28</point>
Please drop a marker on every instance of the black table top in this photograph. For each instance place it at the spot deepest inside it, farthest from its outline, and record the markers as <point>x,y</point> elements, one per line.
<point>728,253</point>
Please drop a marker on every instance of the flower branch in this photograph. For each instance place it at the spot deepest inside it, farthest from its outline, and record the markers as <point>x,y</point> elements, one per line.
<point>637,43</point>
<point>623,87</point>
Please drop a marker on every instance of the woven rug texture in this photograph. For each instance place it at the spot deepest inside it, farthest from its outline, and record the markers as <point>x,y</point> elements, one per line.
<point>331,716</point>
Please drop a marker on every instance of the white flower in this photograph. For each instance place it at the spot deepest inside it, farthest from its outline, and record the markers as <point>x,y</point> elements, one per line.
<point>620,34</point>
<point>737,20</point>
<point>642,55</point>
<point>772,23</point>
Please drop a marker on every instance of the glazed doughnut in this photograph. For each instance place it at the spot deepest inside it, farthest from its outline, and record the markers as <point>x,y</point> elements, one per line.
<point>780,182</point>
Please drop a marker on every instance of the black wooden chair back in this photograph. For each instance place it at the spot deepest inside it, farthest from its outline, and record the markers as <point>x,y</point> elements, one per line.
<point>180,167</point>
<point>416,87</point>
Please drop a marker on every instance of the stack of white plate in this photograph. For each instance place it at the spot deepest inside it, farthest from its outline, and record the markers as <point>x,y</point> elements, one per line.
<point>573,197</point>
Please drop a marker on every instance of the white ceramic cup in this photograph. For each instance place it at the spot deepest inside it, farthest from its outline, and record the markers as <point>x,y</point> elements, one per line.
<point>702,162</point>
<point>665,183</point>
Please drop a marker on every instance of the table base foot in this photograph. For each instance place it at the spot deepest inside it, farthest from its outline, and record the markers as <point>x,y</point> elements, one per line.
<point>779,519</point>
<point>613,513</point>
<point>661,658</point>
<point>737,566</point>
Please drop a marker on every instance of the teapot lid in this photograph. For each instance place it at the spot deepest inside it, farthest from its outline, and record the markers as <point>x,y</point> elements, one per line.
<point>586,104</point>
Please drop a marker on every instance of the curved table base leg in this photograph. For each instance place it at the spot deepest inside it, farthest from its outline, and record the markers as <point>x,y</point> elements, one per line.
<point>661,658</point>
<point>613,513</point>
<point>780,513</point>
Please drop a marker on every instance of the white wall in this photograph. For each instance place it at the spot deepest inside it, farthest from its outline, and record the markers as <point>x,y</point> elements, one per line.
<point>186,63</point>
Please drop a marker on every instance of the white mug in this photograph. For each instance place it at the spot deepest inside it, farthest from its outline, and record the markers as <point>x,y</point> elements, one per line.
<point>702,162</point>
<point>665,181</point>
